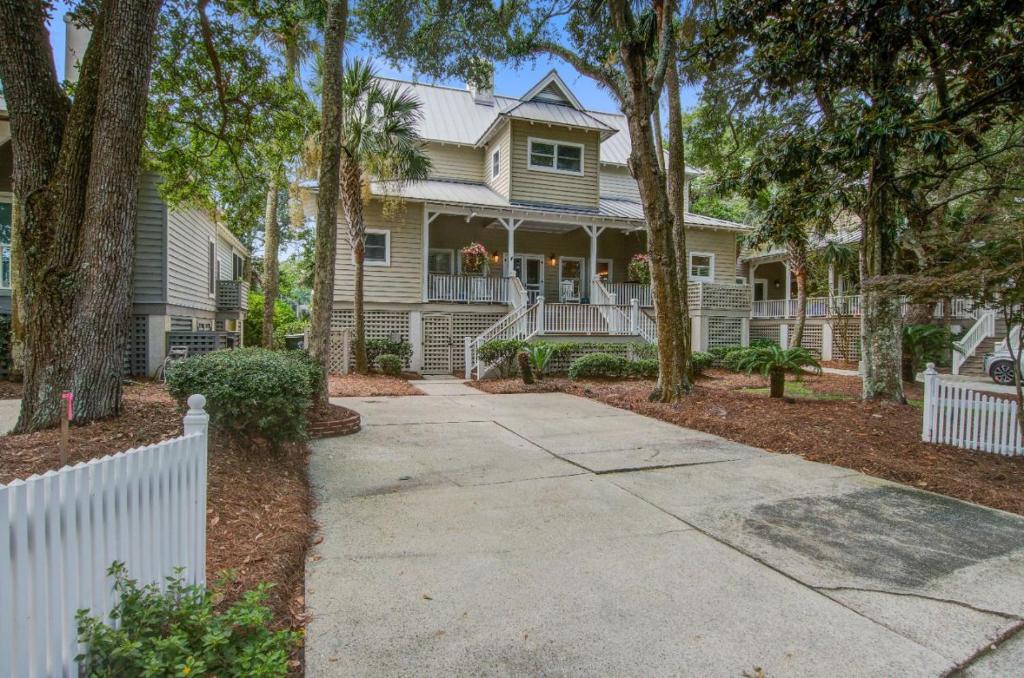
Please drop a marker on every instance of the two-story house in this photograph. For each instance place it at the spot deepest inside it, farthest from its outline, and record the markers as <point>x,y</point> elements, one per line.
<point>188,283</point>
<point>542,184</point>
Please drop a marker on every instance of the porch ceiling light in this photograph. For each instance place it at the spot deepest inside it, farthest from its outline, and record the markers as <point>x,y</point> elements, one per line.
<point>776,284</point>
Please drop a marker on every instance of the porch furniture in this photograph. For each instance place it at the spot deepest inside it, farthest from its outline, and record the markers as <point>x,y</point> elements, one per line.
<point>569,292</point>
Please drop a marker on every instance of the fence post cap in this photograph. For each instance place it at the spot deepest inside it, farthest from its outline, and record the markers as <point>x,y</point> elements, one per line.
<point>197,404</point>
<point>930,369</point>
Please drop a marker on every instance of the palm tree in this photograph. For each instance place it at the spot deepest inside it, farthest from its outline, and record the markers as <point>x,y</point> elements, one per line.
<point>773,362</point>
<point>379,141</point>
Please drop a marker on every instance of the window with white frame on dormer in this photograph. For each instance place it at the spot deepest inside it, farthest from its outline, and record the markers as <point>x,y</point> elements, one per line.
<point>702,267</point>
<point>555,156</point>
<point>496,163</point>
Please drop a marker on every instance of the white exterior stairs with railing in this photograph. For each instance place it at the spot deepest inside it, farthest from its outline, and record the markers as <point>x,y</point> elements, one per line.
<point>604,316</point>
<point>969,352</point>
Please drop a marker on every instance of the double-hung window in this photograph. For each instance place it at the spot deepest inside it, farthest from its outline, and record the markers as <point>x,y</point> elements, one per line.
<point>5,245</point>
<point>211,270</point>
<point>702,267</point>
<point>556,156</point>
<point>496,163</point>
<point>237,266</point>
<point>378,248</point>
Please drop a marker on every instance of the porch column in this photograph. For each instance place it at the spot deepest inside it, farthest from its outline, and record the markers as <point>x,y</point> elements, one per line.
<point>788,285</point>
<point>510,225</point>
<point>593,232</point>
<point>428,217</point>
<point>831,288</point>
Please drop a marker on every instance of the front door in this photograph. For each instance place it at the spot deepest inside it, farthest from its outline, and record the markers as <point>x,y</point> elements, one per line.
<point>760,289</point>
<point>529,269</point>
<point>437,343</point>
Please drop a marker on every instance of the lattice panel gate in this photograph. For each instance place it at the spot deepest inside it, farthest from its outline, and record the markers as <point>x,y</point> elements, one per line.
<point>846,340</point>
<point>760,330</point>
<point>724,331</point>
<point>470,325</point>
<point>438,346</point>
<point>379,325</point>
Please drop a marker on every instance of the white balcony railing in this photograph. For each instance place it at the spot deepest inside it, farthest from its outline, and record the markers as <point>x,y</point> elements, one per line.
<point>468,289</point>
<point>847,305</point>
<point>625,292</point>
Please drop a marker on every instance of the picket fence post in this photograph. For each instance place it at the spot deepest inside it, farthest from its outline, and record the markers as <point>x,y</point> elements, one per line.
<point>197,421</point>
<point>931,381</point>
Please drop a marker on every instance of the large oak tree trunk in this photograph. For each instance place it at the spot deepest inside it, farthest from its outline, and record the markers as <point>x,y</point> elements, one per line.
<point>327,198</point>
<point>271,240</point>
<point>352,199</point>
<point>76,170</point>
<point>881,320</point>
<point>676,185</point>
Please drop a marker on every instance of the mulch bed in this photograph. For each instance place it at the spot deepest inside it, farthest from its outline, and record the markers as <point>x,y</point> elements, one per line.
<point>363,385</point>
<point>10,390</point>
<point>877,438</point>
<point>259,512</point>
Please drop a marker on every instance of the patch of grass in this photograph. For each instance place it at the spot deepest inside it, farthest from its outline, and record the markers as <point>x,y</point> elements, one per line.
<point>798,389</point>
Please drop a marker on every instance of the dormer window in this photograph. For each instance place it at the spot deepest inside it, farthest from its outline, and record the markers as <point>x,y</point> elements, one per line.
<point>496,163</point>
<point>556,156</point>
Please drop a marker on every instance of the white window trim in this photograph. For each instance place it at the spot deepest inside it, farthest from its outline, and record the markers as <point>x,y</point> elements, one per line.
<point>439,250</point>
<point>711,268</point>
<point>535,257</point>
<point>496,155</point>
<point>764,284</point>
<point>387,247</point>
<point>611,267</point>
<point>583,274</point>
<point>215,265</point>
<point>554,170</point>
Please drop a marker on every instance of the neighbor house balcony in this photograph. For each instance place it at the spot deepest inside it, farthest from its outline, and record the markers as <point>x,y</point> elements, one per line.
<point>844,306</point>
<point>232,295</point>
<point>703,296</point>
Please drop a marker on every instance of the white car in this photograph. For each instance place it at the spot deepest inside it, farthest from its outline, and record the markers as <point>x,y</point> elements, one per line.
<point>999,364</point>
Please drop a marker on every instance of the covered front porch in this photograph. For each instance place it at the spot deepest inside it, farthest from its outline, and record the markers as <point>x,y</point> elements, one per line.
<point>774,291</point>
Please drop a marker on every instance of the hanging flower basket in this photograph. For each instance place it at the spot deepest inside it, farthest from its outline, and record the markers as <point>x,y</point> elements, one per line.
<point>639,269</point>
<point>474,258</point>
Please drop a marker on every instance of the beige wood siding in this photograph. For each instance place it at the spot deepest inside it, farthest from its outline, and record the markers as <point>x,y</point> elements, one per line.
<point>553,188</point>
<point>462,163</point>
<point>617,182</point>
<point>720,243</point>
<point>502,141</point>
<point>402,280</point>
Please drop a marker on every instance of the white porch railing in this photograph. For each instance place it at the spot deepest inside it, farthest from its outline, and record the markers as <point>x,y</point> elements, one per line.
<point>956,415</point>
<point>469,289</point>
<point>627,291</point>
<point>587,319</point>
<point>845,305</point>
<point>518,295</point>
<point>60,532</point>
<point>519,324</point>
<point>964,348</point>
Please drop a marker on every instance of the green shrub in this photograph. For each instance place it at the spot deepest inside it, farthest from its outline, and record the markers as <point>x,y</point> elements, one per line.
<point>601,365</point>
<point>502,353</point>
<point>283,315</point>
<point>390,364</point>
<point>375,348</point>
<point>773,362</point>
<point>644,351</point>
<point>251,393</point>
<point>179,633</point>
<point>645,369</point>
<point>540,357</point>
<point>700,361</point>
<point>762,343</point>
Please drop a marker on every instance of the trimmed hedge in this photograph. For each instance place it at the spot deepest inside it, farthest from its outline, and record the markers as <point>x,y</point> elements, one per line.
<point>502,353</point>
<point>700,361</point>
<point>606,366</point>
<point>380,346</point>
<point>251,393</point>
<point>390,364</point>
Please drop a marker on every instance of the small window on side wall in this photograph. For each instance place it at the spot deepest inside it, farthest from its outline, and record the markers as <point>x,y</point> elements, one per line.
<point>212,268</point>
<point>702,266</point>
<point>378,248</point>
<point>495,163</point>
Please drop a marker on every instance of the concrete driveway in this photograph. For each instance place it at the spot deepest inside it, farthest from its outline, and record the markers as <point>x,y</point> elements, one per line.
<point>471,534</point>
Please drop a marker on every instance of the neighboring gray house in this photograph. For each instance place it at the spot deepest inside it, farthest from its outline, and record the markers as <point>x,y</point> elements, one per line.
<point>189,273</point>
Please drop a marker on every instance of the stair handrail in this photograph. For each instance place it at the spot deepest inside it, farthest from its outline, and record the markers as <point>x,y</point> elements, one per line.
<point>965,346</point>
<point>518,324</point>
<point>518,296</point>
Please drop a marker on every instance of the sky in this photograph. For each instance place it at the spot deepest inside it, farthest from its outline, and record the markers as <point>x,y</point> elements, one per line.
<point>506,80</point>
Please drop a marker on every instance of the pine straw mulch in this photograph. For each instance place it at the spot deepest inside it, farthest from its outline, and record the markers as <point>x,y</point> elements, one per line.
<point>10,390</point>
<point>826,424</point>
<point>259,511</point>
<point>374,384</point>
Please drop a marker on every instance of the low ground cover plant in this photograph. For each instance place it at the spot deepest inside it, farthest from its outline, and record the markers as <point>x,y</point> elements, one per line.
<point>700,361</point>
<point>540,357</point>
<point>251,393</point>
<point>179,633</point>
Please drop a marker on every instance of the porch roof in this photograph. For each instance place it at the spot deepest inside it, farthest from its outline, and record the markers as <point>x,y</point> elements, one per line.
<point>628,214</point>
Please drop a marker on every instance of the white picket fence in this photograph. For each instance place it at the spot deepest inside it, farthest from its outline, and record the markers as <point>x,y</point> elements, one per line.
<point>961,416</point>
<point>60,532</point>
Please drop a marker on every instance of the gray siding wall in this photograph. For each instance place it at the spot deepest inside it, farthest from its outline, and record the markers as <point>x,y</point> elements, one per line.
<point>502,142</point>
<point>188,240</point>
<point>150,275</point>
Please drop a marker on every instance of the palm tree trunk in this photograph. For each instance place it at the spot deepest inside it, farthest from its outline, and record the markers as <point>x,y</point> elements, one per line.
<point>271,237</point>
<point>359,345</point>
<point>798,264</point>
<point>776,384</point>
<point>352,200</point>
<point>327,198</point>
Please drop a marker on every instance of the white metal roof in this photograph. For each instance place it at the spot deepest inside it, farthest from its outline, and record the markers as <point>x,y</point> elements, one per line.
<point>845,235</point>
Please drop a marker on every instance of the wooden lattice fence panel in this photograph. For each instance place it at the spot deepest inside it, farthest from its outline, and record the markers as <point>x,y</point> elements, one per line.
<point>137,347</point>
<point>724,331</point>
<point>846,340</point>
<point>759,330</point>
<point>469,325</point>
<point>379,325</point>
